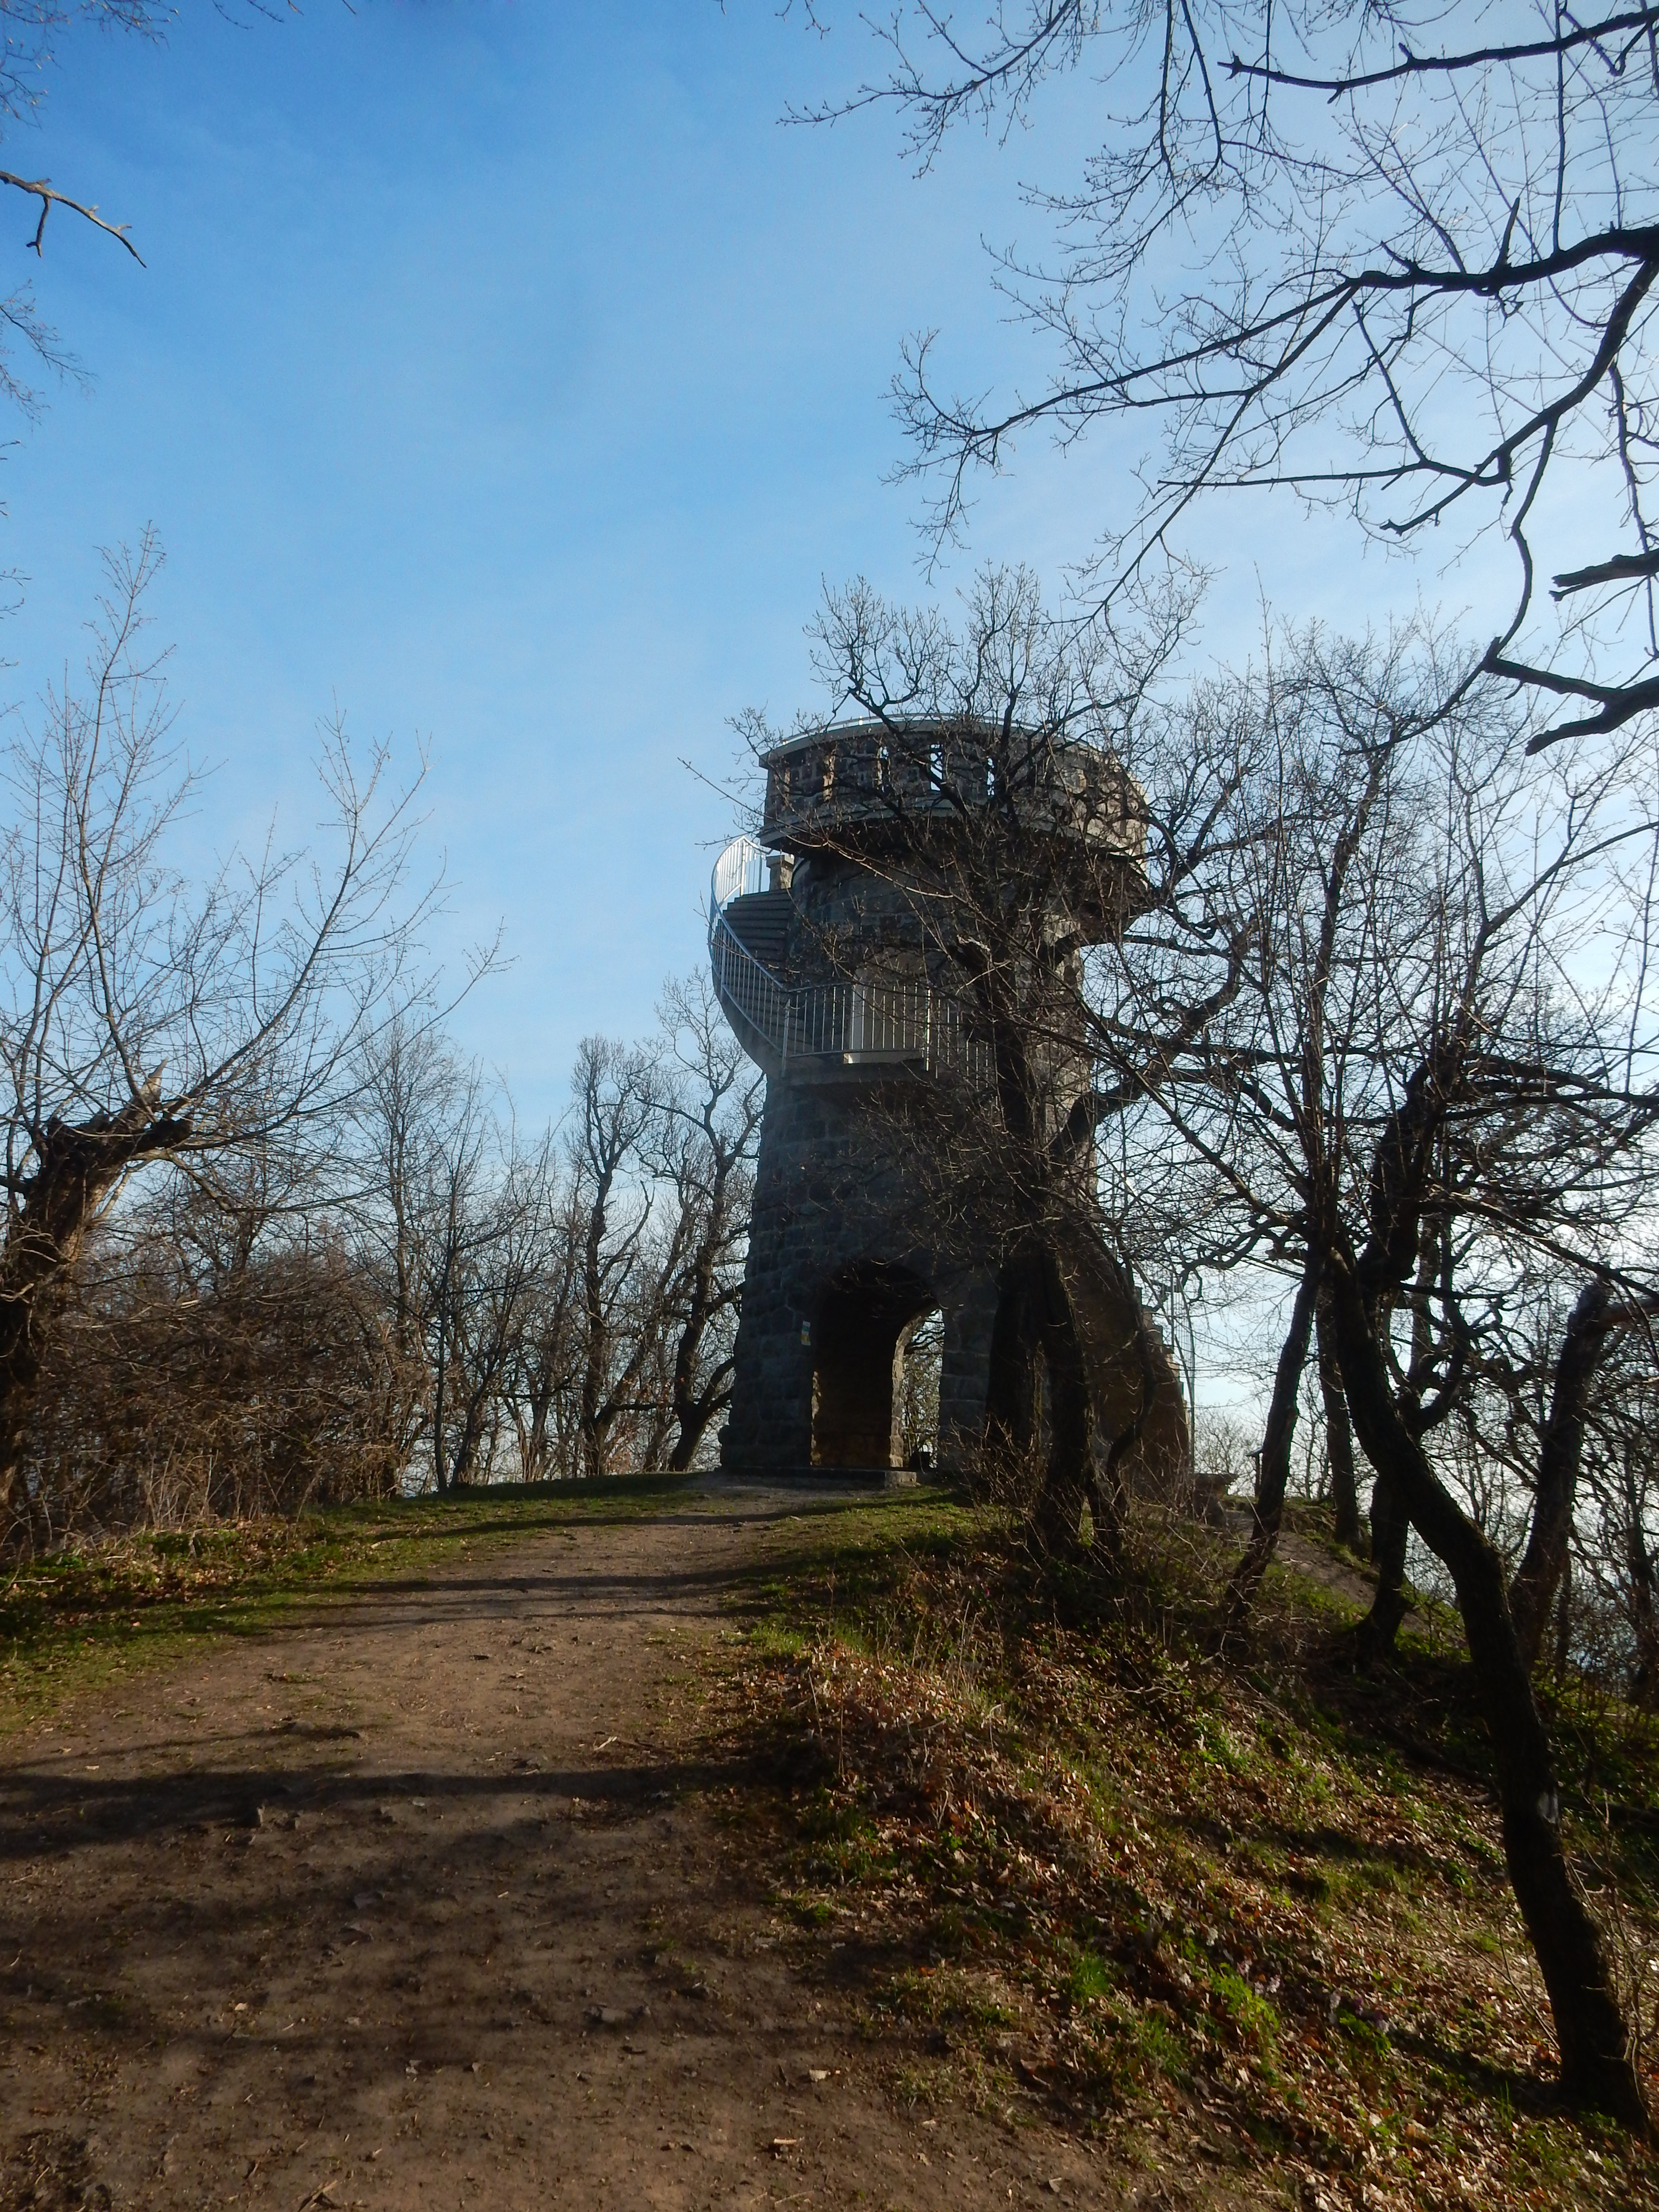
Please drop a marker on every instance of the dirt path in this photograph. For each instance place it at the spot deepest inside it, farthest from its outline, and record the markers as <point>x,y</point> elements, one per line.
<point>417,1899</point>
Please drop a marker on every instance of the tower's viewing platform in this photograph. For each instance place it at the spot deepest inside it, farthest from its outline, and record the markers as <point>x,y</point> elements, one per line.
<point>823,1027</point>
<point>862,780</point>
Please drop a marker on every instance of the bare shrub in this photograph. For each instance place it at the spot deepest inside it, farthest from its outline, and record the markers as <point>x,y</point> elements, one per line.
<point>170,1397</point>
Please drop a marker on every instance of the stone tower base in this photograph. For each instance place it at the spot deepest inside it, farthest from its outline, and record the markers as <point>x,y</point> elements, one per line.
<point>841,1269</point>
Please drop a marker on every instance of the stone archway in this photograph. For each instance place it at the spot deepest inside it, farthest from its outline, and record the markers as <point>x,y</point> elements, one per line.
<point>857,1338</point>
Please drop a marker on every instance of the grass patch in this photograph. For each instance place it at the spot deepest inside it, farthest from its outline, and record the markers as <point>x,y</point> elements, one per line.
<point>1091,1977</point>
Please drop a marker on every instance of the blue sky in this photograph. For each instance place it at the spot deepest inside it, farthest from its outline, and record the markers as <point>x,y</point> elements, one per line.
<point>508,376</point>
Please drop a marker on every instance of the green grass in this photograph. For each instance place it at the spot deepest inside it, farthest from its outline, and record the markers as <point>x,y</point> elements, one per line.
<point>77,1619</point>
<point>1091,1977</point>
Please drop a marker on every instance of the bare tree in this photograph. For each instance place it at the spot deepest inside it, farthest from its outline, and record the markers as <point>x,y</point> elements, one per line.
<point>544,1383</point>
<point>1492,1094</point>
<point>703,1152</point>
<point>456,1220</point>
<point>1339,1438</point>
<point>1594,2045</point>
<point>1613,1627</point>
<point>1381,994</point>
<point>1435,1086</point>
<point>617,1097</point>
<point>463,1232</point>
<point>142,1019</point>
<point>1399,261</point>
<point>412,1097</point>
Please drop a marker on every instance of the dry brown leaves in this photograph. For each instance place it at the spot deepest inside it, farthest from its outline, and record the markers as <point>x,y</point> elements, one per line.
<point>1148,1889</point>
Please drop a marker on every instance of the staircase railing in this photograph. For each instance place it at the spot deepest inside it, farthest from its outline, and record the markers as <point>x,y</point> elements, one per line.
<point>740,871</point>
<point>858,1023</point>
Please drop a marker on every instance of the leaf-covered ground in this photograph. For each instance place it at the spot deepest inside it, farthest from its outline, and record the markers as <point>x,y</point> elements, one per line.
<point>1241,1901</point>
<point>1241,1912</point>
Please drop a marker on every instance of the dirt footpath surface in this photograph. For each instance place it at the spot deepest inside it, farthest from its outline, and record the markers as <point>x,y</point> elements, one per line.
<point>415,1899</point>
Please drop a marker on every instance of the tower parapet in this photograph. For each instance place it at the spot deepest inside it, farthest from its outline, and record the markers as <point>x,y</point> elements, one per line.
<point>810,923</point>
<point>862,782</point>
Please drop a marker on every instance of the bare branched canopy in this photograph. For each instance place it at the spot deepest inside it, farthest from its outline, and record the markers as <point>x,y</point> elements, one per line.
<point>1398,260</point>
<point>144,1015</point>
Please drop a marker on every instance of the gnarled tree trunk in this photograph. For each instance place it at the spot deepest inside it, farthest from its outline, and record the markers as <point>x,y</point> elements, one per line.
<point>1596,2065</point>
<point>1538,1576</point>
<point>76,1167</point>
<point>1390,1527</point>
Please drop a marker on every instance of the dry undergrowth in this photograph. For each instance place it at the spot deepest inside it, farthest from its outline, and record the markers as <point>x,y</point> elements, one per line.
<point>1166,1893</point>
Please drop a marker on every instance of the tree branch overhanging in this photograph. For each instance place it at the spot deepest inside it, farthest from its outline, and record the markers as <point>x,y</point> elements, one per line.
<point>41,189</point>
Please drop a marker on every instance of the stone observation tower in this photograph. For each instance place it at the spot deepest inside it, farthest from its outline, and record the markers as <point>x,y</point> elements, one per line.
<point>817,940</point>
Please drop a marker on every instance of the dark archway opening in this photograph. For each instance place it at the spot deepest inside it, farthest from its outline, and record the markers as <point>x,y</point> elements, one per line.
<point>858,1356</point>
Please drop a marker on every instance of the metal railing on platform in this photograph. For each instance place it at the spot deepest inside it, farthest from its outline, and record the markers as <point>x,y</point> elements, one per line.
<point>857,1022</point>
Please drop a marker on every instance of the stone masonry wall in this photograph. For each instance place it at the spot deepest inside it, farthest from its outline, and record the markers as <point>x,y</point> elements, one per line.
<point>826,1207</point>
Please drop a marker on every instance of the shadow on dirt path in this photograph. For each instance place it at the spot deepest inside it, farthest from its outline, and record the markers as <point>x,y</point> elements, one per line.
<point>418,1899</point>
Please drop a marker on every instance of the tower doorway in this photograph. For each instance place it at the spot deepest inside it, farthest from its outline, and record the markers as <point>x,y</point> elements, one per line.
<point>859,1342</point>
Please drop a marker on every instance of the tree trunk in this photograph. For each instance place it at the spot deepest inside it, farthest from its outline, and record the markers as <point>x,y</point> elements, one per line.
<point>1273,1473</point>
<point>440,1412</point>
<point>1564,1624</point>
<point>1070,1458</point>
<point>593,1420</point>
<point>1539,1573</point>
<point>1039,1401</point>
<point>1009,1404</point>
<point>76,1167</point>
<point>1390,1527</point>
<point>693,1410</point>
<point>1135,1424</point>
<point>694,1418</point>
<point>1644,1610</point>
<point>1596,2065</point>
<point>1338,1434</point>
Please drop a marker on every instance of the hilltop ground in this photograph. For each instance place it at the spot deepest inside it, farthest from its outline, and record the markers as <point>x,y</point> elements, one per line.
<point>713,1848</point>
